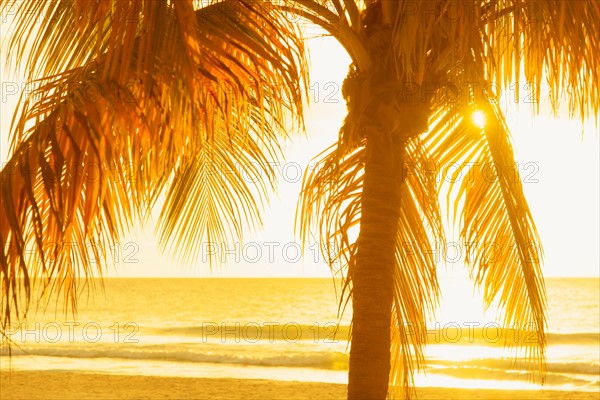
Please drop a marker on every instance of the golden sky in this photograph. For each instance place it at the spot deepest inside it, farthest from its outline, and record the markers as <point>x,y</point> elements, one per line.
<point>558,165</point>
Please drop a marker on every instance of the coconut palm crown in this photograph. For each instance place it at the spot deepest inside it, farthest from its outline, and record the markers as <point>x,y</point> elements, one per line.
<point>159,96</point>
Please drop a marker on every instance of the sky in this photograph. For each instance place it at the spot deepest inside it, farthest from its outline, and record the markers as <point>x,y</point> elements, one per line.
<point>559,164</point>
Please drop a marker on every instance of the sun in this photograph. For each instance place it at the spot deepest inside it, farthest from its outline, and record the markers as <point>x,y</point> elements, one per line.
<point>478,118</point>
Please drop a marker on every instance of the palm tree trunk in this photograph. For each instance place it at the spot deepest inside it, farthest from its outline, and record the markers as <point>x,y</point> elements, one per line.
<point>389,121</point>
<point>372,275</point>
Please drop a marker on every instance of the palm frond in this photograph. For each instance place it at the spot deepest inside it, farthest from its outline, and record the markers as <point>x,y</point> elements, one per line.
<point>330,201</point>
<point>555,41</point>
<point>139,103</point>
<point>344,23</point>
<point>495,220</point>
<point>69,188</point>
<point>220,190</point>
<point>211,194</point>
<point>416,289</point>
<point>551,42</point>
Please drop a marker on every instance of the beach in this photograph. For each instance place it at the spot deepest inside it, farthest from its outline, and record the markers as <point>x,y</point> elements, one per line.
<point>49,385</point>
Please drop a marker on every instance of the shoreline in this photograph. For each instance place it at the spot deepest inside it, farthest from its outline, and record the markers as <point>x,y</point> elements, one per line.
<point>65,385</point>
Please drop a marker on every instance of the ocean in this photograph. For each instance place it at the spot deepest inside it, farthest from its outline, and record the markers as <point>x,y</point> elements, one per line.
<point>287,329</point>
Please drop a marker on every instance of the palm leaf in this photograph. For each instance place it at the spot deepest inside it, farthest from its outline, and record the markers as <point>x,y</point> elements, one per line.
<point>494,216</point>
<point>416,290</point>
<point>164,92</point>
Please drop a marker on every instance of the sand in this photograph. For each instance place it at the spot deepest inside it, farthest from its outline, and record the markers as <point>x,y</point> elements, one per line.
<point>32,385</point>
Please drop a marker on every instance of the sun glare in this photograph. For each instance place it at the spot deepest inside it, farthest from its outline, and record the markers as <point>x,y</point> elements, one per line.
<point>478,118</point>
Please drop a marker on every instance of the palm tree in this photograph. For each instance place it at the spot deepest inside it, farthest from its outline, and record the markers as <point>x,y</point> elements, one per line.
<point>419,71</point>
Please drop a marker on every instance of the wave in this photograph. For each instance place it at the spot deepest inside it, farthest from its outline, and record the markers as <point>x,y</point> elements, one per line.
<point>551,379</point>
<point>252,332</point>
<point>493,335</point>
<point>580,374</point>
<point>573,338</point>
<point>507,364</point>
<point>286,356</point>
<point>193,354</point>
<point>330,332</point>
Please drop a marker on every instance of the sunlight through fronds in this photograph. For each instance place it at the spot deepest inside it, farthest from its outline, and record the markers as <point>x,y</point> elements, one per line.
<point>478,118</point>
